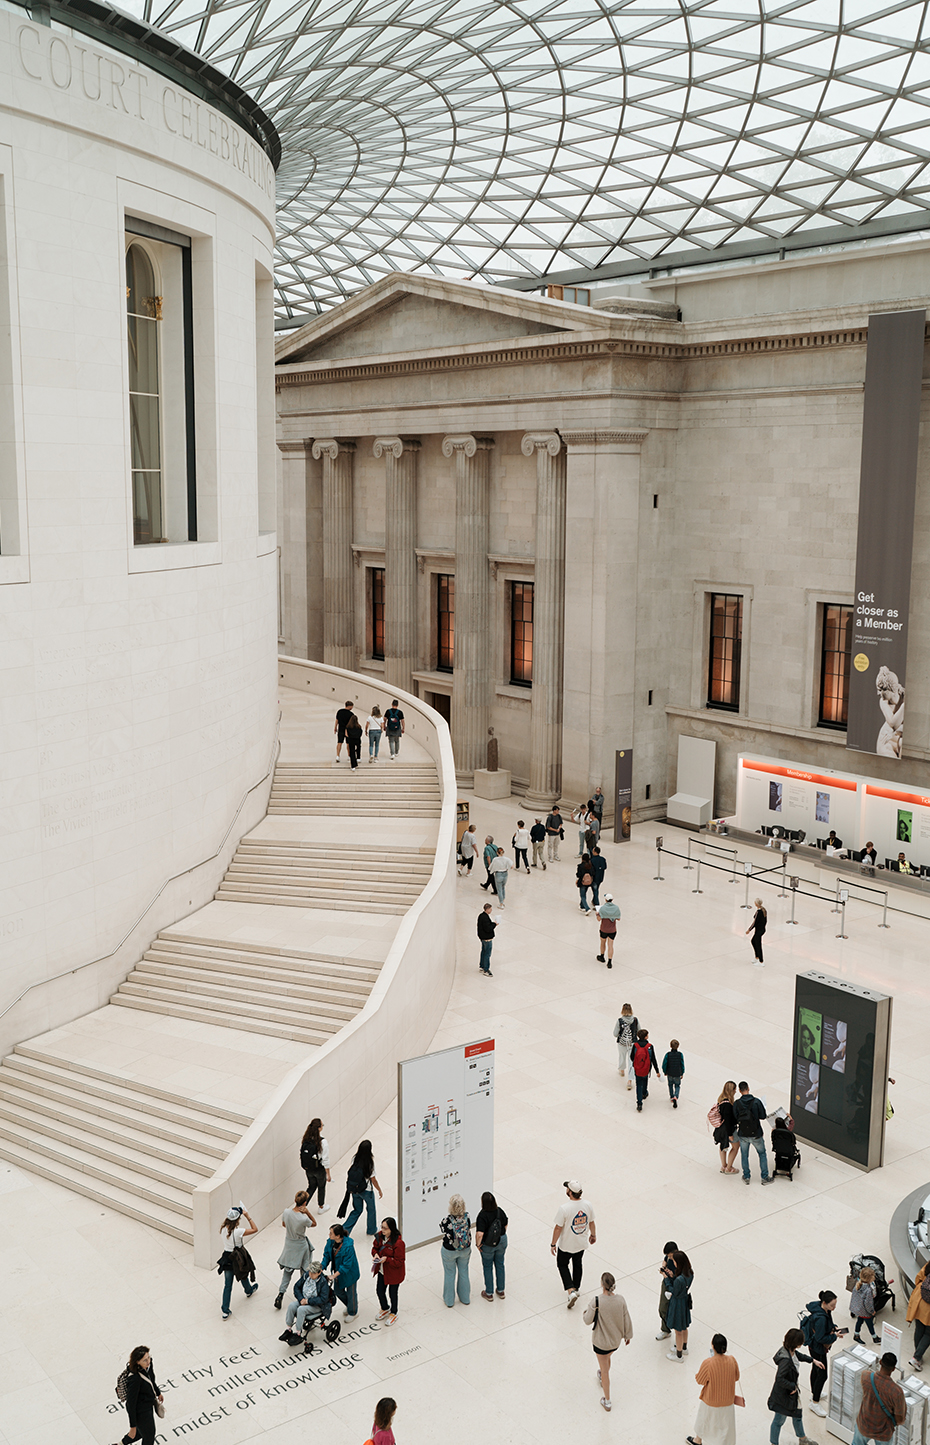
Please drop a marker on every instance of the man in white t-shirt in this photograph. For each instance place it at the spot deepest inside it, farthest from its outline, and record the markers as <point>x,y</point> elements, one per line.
<point>573,1231</point>
<point>468,849</point>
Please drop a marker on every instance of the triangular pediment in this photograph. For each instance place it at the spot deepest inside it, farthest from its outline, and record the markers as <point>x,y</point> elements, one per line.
<point>420,313</point>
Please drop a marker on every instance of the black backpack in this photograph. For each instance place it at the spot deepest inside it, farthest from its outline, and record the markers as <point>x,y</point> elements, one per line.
<point>742,1110</point>
<point>492,1235</point>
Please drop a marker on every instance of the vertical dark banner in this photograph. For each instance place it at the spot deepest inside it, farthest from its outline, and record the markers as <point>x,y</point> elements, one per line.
<point>623,795</point>
<point>887,484</point>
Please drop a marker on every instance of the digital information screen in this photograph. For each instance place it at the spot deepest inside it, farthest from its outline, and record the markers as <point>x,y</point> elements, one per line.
<point>839,1068</point>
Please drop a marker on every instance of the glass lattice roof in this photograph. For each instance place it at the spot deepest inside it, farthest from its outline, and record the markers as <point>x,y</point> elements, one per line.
<point>505,139</point>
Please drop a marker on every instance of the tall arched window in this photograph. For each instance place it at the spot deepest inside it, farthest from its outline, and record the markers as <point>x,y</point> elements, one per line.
<point>143,308</point>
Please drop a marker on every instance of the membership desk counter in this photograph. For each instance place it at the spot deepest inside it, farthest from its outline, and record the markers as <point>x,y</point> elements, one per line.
<point>796,807</point>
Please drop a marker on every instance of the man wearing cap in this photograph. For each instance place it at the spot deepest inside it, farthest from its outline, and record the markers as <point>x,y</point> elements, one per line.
<point>572,1232</point>
<point>607,913</point>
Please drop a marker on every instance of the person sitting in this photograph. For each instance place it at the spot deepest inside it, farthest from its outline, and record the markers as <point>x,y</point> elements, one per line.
<point>314,1303</point>
<point>903,866</point>
<point>868,854</point>
<point>833,841</point>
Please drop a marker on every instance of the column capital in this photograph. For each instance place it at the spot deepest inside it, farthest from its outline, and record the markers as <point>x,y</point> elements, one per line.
<point>303,445</point>
<point>466,443</point>
<point>537,441</point>
<point>604,438</point>
<point>396,446</point>
<point>331,447</point>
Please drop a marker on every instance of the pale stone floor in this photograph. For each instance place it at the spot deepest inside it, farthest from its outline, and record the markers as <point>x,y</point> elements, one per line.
<point>81,1285</point>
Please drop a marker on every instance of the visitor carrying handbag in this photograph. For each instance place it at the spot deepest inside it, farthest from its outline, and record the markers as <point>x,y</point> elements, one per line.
<point>594,1322</point>
<point>739,1400</point>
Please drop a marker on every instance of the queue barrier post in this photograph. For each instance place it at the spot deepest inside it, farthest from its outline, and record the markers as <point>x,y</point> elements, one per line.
<point>747,869</point>
<point>836,906</point>
<point>784,875</point>
<point>794,894</point>
<point>658,877</point>
<point>884,923</point>
<point>689,866</point>
<point>698,889</point>
<point>844,894</point>
<point>732,878</point>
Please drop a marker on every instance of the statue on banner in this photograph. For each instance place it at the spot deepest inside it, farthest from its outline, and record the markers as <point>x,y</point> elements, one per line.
<point>891,701</point>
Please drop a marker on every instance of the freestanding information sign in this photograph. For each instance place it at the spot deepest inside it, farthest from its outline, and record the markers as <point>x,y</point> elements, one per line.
<point>445,1135</point>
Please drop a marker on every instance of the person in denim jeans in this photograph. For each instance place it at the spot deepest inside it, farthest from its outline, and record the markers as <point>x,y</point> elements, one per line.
<point>491,1240</point>
<point>359,1181</point>
<point>373,733</point>
<point>750,1112</point>
<point>234,1233</point>
<point>584,878</point>
<point>673,1067</point>
<point>456,1252</point>
<point>340,1259</point>
<point>597,870</point>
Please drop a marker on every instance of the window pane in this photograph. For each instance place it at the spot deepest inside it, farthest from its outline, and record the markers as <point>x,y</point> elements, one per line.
<point>142,308</point>
<point>143,431</point>
<point>521,633</point>
<point>726,634</point>
<point>147,521</point>
<point>143,354</point>
<point>377,612</point>
<point>445,618</point>
<point>834,665</point>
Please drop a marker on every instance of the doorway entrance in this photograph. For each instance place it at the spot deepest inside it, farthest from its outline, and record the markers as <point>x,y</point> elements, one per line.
<point>442,702</point>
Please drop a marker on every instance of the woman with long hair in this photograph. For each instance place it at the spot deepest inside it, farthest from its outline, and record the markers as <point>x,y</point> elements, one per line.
<point>314,1161</point>
<point>389,1253</point>
<point>725,1133</point>
<point>373,730</point>
<point>298,1250</point>
<point>359,1181</point>
<point>678,1317</point>
<point>757,928</point>
<point>718,1376</point>
<point>142,1394</point>
<point>456,1252</point>
<point>381,1432</point>
<point>491,1242</point>
<point>625,1030</point>
<point>608,1313</point>
<point>237,1266</point>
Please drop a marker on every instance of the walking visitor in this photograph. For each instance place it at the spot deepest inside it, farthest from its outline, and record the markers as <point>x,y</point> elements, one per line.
<point>716,1417</point>
<point>389,1253</point>
<point>610,1317</point>
<point>143,1398</point>
<point>314,1161</point>
<point>486,931</point>
<point>298,1250</point>
<point>394,726</point>
<point>678,1314</point>
<point>625,1030</point>
<point>607,913</point>
<point>644,1061</point>
<point>373,727</point>
<point>574,1230</point>
<point>785,1398</point>
<point>340,1259</point>
<point>673,1067</point>
<point>538,840</point>
<point>361,1184</point>
<point>235,1262</point>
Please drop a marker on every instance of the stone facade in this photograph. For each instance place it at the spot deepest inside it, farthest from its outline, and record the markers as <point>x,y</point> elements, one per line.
<point>635,464</point>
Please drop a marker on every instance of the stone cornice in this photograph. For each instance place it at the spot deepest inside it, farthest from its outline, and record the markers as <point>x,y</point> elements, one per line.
<point>603,438</point>
<point>641,349</point>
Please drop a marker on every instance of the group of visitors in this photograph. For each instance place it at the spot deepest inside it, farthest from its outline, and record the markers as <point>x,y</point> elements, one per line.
<point>348,730</point>
<point>736,1120</point>
<point>636,1059</point>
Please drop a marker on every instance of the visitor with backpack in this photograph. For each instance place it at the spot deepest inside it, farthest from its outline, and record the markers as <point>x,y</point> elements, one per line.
<point>820,1333</point>
<point>314,1161</point>
<point>918,1311</point>
<point>381,1432</point>
<point>749,1113</point>
<point>644,1061</point>
<point>359,1181</point>
<point>390,1255</point>
<point>785,1398</point>
<point>673,1067</point>
<point>625,1030</point>
<point>491,1240</point>
<point>862,1304</point>
<point>722,1119</point>
<point>394,727</point>
<point>883,1406</point>
<point>137,1389</point>
<point>456,1252</point>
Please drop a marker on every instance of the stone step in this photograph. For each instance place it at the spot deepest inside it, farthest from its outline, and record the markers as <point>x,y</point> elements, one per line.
<point>313,1039</point>
<point>238,1003</point>
<point>162,1166</point>
<point>383,866</point>
<point>120,1176</point>
<point>113,1196</point>
<point>309,880</point>
<point>294,809</point>
<point>243,994</point>
<point>330,986</point>
<point>111,1120</point>
<point>248,893</point>
<point>337,851</point>
<point>160,1102</point>
<point>399,768</point>
<point>333,964</point>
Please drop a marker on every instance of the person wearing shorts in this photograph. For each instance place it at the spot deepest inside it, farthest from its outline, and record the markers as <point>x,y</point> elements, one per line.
<point>607,913</point>
<point>342,717</point>
<point>608,1313</point>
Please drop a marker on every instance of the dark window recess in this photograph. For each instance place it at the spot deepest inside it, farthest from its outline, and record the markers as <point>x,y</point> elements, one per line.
<point>521,634</point>
<point>650,697</point>
<point>377,613</point>
<point>836,644</point>
<point>445,622</point>
<point>655,499</point>
<point>726,640</point>
<point>648,791</point>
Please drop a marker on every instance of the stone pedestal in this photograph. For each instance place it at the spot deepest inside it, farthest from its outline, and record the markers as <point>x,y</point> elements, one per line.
<point>471,676</point>
<point>400,559</point>
<point>602,539</point>
<point>338,581</point>
<point>548,618</point>
<point>492,785</point>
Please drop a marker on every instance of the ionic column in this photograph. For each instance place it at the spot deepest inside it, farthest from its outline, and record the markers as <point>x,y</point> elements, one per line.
<point>471,672</point>
<point>548,618</point>
<point>400,560</point>
<point>338,614</point>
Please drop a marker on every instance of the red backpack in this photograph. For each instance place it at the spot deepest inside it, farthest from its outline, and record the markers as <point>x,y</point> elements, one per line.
<point>642,1060</point>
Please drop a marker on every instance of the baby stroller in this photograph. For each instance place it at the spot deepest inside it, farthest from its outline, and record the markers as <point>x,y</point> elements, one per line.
<point>329,1328</point>
<point>882,1286</point>
<point>784,1147</point>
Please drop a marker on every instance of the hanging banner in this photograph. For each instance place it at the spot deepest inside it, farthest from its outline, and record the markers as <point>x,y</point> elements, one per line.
<point>887,484</point>
<point>623,795</point>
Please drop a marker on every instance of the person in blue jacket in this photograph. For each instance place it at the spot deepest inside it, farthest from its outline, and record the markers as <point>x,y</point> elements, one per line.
<point>340,1259</point>
<point>673,1067</point>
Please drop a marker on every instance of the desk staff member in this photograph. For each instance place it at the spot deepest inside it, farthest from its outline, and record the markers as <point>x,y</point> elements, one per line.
<point>868,854</point>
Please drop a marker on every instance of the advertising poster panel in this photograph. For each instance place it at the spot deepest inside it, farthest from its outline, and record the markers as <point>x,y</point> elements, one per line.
<point>623,796</point>
<point>887,485</point>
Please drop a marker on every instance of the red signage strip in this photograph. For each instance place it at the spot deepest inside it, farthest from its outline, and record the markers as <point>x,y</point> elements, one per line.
<point>485,1047</point>
<point>917,800</point>
<point>803,777</point>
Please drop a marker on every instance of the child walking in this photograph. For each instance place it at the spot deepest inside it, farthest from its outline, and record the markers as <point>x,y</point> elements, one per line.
<point>862,1303</point>
<point>673,1067</point>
